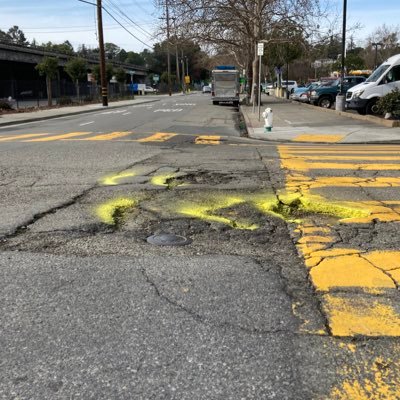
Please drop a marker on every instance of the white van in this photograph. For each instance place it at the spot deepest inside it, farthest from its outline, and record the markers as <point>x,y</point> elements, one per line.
<point>384,79</point>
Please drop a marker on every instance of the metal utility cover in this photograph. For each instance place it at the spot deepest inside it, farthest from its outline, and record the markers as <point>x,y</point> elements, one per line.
<point>168,239</point>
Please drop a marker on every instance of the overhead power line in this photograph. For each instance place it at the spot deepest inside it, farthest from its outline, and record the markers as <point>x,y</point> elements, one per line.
<point>118,22</point>
<point>126,17</point>
<point>141,41</point>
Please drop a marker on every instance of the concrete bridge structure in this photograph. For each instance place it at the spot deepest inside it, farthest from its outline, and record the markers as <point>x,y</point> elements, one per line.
<point>19,78</point>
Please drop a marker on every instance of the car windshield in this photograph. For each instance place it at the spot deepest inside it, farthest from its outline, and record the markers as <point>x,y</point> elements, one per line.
<point>377,73</point>
<point>330,83</point>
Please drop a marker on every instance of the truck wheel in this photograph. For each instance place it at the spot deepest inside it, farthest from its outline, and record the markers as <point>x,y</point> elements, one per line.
<point>325,102</point>
<point>235,104</point>
<point>371,107</point>
<point>215,103</point>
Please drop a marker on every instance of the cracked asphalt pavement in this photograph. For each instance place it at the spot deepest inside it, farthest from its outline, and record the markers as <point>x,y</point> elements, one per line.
<point>288,290</point>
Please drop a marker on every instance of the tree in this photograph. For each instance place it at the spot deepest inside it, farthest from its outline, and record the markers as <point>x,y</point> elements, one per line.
<point>17,36</point>
<point>4,37</point>
<point>235,27</point>
<point>122,55</point>
<point>109,72</point>
<point>134,58</point>
<point>111,50</point>
<point>76,68</point>
<point>388,39</point>
<point>49,68</point>
<point>120,76</point>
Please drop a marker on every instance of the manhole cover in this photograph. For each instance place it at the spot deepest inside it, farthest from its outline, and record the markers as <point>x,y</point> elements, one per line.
<point>168,239</point>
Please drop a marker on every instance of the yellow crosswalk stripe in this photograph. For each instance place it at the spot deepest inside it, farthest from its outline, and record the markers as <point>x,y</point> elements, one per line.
<point>26,136</point>
<point>336,271</point>
<point>208,139</point>
<point>58,137</point>
<point>106,136</point>
<point>158,137</point>
<point>318,138</point>
<point>349,157</point>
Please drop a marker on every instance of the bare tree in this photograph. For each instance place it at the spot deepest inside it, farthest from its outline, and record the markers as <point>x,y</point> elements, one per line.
<point>234,27</point>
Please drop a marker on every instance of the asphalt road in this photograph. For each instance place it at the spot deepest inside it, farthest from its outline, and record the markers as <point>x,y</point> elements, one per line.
<point>288,290</point>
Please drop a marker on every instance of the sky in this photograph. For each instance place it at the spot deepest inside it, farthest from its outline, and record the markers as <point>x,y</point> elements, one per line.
<point>60,20</point>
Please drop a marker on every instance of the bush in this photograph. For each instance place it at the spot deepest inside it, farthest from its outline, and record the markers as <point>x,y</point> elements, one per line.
<point>4,105</point>
<point>64,101</point>
<point>389,103</point>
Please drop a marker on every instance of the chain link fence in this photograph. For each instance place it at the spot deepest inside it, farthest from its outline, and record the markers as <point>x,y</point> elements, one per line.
<point>21,94</point>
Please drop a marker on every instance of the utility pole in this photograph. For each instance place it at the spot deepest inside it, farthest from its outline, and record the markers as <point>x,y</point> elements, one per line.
<point>343,46</point>
<point>183,73</point>
<point>376,52</point>
<point>168,53</point>
<point>103,76</point>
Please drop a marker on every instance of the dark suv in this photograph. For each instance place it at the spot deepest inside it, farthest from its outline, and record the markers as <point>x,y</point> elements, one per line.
<point>325,95</point>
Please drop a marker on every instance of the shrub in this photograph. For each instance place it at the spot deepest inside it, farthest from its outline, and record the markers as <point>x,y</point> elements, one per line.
<point>389,103</point>
<point>4,105</point>
<point>64,101</point>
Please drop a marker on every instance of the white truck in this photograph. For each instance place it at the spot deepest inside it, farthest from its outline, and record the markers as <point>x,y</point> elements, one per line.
<point>384,79</point>
<point>225,85</point>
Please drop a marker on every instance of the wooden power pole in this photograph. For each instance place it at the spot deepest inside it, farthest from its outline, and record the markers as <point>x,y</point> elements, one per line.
<point>103,76</point>
<point>168,49</point>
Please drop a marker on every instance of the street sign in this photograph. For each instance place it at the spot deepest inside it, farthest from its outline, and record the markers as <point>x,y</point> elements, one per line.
<point>187,79</point>
<point>156,78</point>
<point>260,49</point>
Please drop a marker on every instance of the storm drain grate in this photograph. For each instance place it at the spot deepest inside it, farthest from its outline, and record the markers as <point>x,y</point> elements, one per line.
<point>168,239</point>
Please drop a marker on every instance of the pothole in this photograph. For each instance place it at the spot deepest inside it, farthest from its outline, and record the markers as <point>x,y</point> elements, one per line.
<point>200,178</point>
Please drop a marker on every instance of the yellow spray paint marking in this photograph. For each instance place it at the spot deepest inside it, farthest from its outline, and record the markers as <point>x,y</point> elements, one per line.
<point>58,137</point>
<point>162,179</point>
<point>318,138</point>
<point>113,179</point>
<point>111,210</point>
<point>26,136</point>
<point>158,137</point>
<point>204,139</point>
<point>349,316</point>
<point>107,136</point>
<point>349,271</point>
<point>207,212</point>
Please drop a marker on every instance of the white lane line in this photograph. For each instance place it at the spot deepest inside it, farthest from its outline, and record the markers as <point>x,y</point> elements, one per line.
<point>127,113</point>
<point>87,123</point>
<point>288,122</point>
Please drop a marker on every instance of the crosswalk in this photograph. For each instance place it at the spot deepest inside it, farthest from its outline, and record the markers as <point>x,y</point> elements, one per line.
<point>349,193</point>
<point>125,136</point>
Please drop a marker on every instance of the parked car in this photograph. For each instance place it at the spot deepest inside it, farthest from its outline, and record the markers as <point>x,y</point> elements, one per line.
<point>325,94</point>
<point>383,80</point>
<point>149,89</point>
<point>300,94</point>
<point>292,85</point>
<point>207,89</point>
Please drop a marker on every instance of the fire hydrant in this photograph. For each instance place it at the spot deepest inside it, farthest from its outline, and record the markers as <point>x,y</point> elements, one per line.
<point>268,118</point>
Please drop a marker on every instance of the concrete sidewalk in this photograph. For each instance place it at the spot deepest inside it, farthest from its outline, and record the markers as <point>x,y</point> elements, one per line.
<point>297,122</point>
<point>39,115</point>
